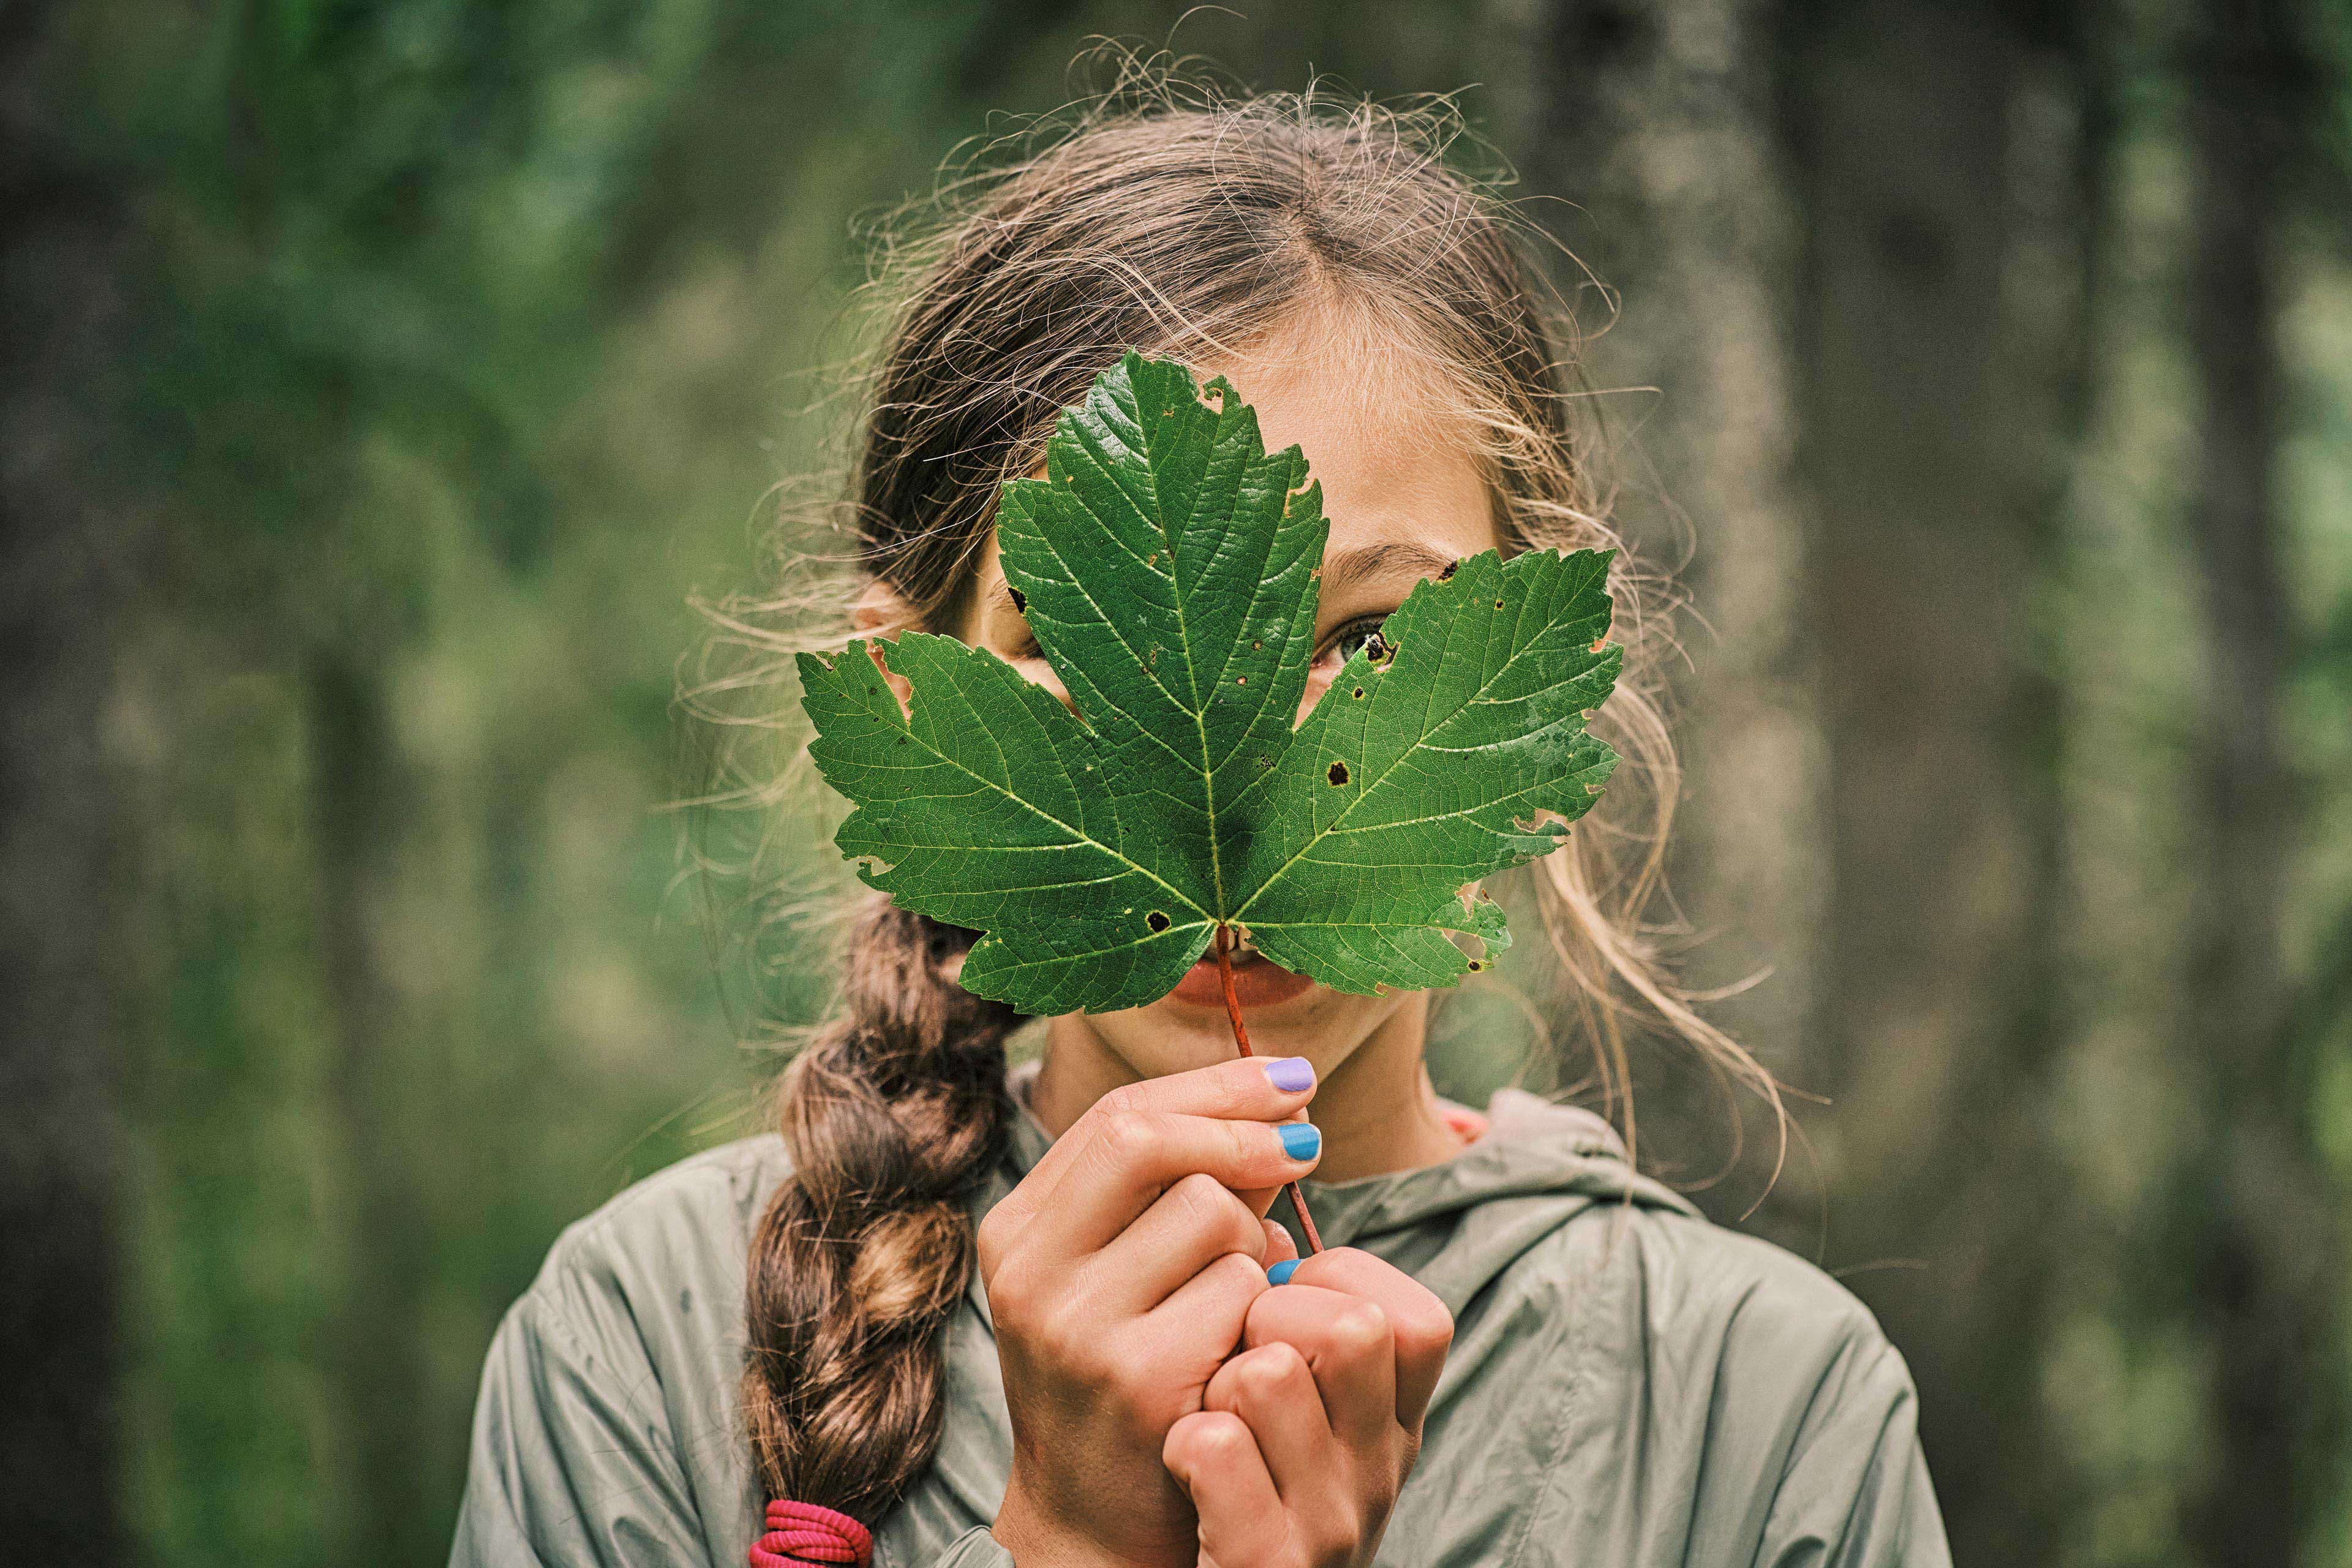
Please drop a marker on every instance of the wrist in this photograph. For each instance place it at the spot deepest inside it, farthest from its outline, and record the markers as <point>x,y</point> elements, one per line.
<point>1036,1539</point>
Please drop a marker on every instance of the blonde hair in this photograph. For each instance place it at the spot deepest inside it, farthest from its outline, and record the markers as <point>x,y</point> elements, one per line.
<point>1179,219</point>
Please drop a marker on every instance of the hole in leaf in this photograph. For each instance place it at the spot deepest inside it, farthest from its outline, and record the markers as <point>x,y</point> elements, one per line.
<point>1498,604</point>
<point>1019,601</point>
<point>1156,920</point>
<point>1339,774</point>
<point>1448,576</point>
<point>1241,680</point>
<point>1476,965</point>
<point>1377,649</point>
<point>1359,691</point>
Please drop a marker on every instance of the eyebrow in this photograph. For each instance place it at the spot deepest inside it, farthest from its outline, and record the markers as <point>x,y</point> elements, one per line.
<point>1394,559</point>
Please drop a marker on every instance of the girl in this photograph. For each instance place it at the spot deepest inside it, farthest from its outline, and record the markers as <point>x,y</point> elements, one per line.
<point>959,1317</point>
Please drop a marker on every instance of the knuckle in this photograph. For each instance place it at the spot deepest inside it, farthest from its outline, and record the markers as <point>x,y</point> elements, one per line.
<point>1426,1331</point>
<point>1200,1202</point>
<point>1009,1297</point>
<point>1239,1082</point>
<point>1272,1372</point>
<point>1127,1098</point>
<point>1239,1272</point>
<point>1128,1136</point>
<point>1220,1437</point>
<point>1358,1329</point>
<point>1070,1335</point>
<point>1257,1145</point>
<point>989,1240</point>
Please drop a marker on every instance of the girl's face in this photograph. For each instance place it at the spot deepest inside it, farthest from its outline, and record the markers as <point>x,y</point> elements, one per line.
<point>1405,498</point>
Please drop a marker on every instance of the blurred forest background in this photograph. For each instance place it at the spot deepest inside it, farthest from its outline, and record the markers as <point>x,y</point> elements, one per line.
<point>383,376</point>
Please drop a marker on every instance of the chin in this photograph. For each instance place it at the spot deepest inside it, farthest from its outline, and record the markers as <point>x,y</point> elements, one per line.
<point>1286,1016</point>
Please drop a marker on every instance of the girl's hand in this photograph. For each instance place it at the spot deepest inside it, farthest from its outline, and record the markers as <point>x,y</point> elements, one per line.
<point>1121,1273</point>
<point>1308,1434</point>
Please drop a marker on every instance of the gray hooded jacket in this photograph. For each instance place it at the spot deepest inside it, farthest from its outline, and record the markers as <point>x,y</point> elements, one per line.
<point>1629,1384</point>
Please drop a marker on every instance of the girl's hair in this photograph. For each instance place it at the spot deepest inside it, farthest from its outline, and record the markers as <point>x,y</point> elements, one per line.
<point>1194,224</point>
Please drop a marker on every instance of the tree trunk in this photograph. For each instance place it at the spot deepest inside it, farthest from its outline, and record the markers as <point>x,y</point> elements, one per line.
<point>1648,122</point>
<point>1931,372</point>
<point>2264,1256</point>
<point>358,812</point>
<point>67,864</point>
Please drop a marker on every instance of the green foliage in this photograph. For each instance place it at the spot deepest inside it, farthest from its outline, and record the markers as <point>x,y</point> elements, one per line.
<point>1169,570</point>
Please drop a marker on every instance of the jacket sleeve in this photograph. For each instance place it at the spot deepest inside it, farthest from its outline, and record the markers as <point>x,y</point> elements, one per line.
<point>1856,1493</point>
<point>573,1464</point>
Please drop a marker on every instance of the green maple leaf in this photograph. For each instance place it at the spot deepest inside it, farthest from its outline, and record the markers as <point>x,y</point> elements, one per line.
<point>1169,566</point>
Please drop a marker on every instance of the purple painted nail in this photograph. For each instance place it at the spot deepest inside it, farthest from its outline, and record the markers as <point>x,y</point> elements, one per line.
<point>1291,1074</point>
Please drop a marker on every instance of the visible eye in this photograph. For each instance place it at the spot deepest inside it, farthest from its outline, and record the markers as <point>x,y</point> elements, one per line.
<point>1349,639</point>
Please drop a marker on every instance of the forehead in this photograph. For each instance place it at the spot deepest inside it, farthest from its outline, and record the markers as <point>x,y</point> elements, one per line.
<point>1396,463</point>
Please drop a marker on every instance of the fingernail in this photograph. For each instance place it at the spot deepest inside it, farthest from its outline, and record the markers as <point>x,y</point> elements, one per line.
<point>1290,1073</point>
<point>1281,1272</point>
<point>1300,1140</point>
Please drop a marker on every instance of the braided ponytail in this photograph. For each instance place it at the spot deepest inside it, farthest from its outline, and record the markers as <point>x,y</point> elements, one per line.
<point>893,1116</point>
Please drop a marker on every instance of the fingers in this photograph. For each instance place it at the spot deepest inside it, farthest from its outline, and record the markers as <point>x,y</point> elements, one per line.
<point>1128,1157</point>
<point>1206,1313</point>
<point>1375,1336</point>
<point>1345,1340</point>
<point>1245,1087</point>
<point>1279,1247</point>
<point>1216,1460</point>
<point>1188,1227</point>
<point>1271,1388</point>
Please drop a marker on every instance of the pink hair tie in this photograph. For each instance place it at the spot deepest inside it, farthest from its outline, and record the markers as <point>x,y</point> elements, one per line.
<point>803,1532</point>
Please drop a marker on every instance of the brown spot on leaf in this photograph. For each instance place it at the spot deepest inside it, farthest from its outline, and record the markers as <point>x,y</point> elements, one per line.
<point>1339,774</point>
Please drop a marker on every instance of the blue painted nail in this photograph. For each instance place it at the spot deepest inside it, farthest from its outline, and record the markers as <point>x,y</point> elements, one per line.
<point>1300,1140</point>
<point>1291,1074</point>
<point>1281,1272</point>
